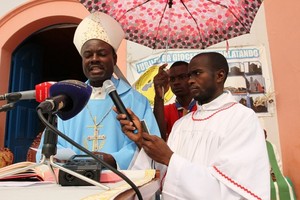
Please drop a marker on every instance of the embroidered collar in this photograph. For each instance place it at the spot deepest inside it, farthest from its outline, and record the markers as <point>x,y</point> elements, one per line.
<point>219,102</point>
<point>223,102</point>
<point>208,117</point>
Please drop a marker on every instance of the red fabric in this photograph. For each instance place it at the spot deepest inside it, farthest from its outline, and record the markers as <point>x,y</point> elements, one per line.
<point>172,115</point>
<point>237,184</point>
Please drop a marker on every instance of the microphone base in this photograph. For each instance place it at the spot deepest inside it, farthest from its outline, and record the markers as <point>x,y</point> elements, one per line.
<point>84,165</point>
<point>78,175</point>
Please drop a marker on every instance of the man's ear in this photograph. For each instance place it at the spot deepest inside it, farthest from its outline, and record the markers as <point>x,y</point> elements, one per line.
<point>115,58</point>
<point>114,55</point>
<point>221,76</point>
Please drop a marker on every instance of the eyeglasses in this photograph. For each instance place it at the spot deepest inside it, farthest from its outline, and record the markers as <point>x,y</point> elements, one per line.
<point>180,77</point>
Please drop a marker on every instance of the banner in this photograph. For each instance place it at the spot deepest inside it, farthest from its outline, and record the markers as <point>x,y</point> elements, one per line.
<point>248,78</point>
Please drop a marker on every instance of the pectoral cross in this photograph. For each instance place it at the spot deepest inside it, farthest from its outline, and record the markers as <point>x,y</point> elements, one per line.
<point>96,137</point>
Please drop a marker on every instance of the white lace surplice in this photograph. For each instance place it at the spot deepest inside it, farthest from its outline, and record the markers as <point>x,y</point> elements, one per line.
<point>223,156</point>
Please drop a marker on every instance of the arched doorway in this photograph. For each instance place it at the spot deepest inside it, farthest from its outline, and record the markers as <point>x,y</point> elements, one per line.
<point>47,55</point>
<point>45,32</point>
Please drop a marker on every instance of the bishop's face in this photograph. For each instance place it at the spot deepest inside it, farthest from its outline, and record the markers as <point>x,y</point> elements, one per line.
<point>98,61</point>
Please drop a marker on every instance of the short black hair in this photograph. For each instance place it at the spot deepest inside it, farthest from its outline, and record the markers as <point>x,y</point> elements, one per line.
<point>179,63</point>
<point>217,60</point>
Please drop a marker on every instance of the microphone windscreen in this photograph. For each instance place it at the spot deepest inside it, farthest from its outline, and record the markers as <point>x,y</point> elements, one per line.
<point>109,86</point>
<point>78,94</point>
<point>42,91</point>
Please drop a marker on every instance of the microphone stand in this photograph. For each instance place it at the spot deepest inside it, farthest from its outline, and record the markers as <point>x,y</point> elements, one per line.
<point>49,149</point>
<point>78,146</point>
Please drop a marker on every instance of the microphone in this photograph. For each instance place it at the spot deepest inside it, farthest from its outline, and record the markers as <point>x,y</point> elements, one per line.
<point>67,99</point>
<point>111,90</point>
<point>15,96</point>
<point>7,107</point>
<point>40,93</point>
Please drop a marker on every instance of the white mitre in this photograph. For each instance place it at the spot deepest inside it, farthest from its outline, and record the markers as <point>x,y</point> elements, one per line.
<point>98,25</point>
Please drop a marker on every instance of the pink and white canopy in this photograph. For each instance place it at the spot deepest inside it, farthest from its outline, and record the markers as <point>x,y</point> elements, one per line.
<point>179,24</point>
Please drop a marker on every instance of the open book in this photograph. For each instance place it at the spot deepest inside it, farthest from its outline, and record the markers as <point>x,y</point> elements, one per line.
<point>24,171</point>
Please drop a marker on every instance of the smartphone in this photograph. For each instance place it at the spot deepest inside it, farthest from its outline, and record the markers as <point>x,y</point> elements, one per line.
<point>144,126</point>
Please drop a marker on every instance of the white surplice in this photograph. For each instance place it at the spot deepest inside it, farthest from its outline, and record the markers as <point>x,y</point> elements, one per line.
<point>220,155</point>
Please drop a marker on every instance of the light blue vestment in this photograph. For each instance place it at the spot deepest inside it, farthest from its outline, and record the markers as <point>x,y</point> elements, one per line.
<point>111,138</point>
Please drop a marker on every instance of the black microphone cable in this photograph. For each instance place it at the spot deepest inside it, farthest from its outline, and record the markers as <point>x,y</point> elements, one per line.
<point>78,146</point>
